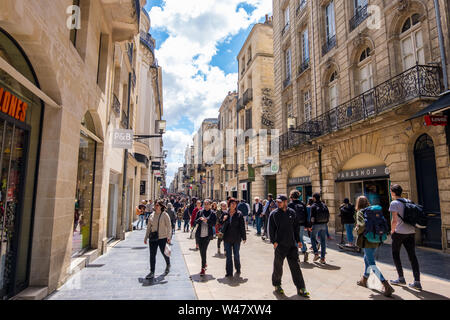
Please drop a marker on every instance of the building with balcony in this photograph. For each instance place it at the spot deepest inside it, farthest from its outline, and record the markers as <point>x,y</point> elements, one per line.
<point>352,102</point>
<point>255,112</point>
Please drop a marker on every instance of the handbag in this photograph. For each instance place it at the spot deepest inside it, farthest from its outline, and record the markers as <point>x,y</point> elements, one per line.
<point>154,236</point>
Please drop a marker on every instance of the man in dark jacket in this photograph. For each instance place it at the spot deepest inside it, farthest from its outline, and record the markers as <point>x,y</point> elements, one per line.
<point>268,208</point>
<point>347,215</point>
<point>233,233</point>
<point>206,221</point>
<point>319,219</point>
<point>257,211</point>
<point>283,229</point>
<point>302,215</point>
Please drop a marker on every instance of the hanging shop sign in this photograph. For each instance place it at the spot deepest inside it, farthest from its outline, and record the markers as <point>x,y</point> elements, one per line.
<point>299,181</point>
<point>436,120</point>
<point>251,173</point>
<point>12,105</point>
<point>363,173</point>
<point>244,186</point>
<point>122,139</point>
<point>156,166</point>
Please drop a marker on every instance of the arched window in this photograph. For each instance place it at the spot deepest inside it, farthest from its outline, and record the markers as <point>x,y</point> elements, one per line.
<point>411,41</point>
<point>365,73</point>
<point>424,142</point>
<point>333,90</point>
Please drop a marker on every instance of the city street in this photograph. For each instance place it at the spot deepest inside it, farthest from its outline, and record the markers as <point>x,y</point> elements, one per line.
<point>120,275</point>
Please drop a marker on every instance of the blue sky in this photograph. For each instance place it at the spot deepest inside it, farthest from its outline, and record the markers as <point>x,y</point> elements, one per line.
<point>197,42</point>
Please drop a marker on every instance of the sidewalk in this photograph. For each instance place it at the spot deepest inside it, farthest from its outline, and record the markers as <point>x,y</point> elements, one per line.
<point>335,280</point>
<point>120,275</point>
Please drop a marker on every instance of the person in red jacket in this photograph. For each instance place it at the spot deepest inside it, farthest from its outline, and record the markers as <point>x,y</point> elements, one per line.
<point>197,209</point>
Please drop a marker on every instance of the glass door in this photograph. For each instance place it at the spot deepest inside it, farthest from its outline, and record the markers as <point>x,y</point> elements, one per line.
<point>12,165</point>
<point>356,190</point>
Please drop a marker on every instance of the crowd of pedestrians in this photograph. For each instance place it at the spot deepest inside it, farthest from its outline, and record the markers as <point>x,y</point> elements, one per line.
<point>284,223</point>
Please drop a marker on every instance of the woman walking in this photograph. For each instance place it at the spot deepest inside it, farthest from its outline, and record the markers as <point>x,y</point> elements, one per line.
<point>369,248</point>
<point>205,222</point>
<point>219,215</point>
<point>159,233</point>
<point>172,215</point>
<point>233,233</point>
<point>179,217</point>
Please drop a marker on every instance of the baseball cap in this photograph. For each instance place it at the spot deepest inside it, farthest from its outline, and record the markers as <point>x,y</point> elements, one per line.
<point>281,197</point>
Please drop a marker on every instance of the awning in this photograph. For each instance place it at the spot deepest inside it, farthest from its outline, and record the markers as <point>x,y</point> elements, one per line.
<point>439,105</point>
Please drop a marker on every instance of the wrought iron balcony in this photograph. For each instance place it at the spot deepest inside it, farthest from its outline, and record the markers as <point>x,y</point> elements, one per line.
<point>301,6</point>
<point>421,81</point>
<point>133,78</point>
<point>287,81</point>
<point>137,7</point>
<point>124,121</point>
<point>361,14</point>
<point>303,67</point>
<point>248,96</point>
<point>286,27</point>
<point>330,44</point>
<point>239,105</point>
<point>116,104</point>
<point>148,41</point>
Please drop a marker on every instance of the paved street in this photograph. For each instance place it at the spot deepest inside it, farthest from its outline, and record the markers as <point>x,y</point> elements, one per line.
<point>336,280</point>
<point>120,275</point>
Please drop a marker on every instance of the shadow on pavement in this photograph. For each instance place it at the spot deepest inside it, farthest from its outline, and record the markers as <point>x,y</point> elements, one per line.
<point>284,297</point>
<point>220,256</point>
<point>193,249</point>
<point>232,281</point>
<point>198,278</point>
<point>306,265</point>
<point>153,282</point>
<point>425,295</point>
<point>377,295</point>
<point>326,266</point>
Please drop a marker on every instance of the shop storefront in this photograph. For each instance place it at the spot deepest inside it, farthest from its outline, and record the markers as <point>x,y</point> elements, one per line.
<point>84,195</point>
<point>20,132</point>
<point>302,184</point>
<point>245,188</point>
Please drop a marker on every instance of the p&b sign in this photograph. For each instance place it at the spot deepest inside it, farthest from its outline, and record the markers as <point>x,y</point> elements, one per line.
<point>122,139</point>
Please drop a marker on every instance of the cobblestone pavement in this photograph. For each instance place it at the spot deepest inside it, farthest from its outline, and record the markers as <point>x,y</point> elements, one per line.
<point>335,280</point>
<point>120,275</point>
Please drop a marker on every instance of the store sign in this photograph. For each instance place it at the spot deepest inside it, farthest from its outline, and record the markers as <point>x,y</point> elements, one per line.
<point>244,186</point>
<point>436,120</point>
<point>299,181</point>
<point>157,173</point>
<point>122,139</point>
<point>143,188</point>
<point>156,166</point>
<point>12,105</point>
<point>251,173</point>
<point>270,169</point>
<point>364,173</point>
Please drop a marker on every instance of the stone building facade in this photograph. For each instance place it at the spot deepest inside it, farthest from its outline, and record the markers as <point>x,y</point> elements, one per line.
<point>254,108</point>
<point>62,201</point>
<point>349,83</point>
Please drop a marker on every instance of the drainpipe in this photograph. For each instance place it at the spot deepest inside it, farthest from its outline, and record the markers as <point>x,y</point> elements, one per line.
<point>441,43</point>
<point>319,150</point>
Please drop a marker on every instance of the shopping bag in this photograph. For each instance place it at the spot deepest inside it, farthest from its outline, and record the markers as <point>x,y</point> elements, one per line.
<point>168,250</point>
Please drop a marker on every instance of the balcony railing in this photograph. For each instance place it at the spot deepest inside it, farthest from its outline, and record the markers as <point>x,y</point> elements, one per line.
<point>133,78</point>
<point>124,121</point>
<point>148,41</point>
<point>361,14</point>
<point>421,81</point>
<point>116,105</point>
<point>303,67</point>
<point>329,44</point>
<point>248,97</point>
<point>287,81</point>
<point>301,6</point>
<point>286,27</point>
<point>239,105</point>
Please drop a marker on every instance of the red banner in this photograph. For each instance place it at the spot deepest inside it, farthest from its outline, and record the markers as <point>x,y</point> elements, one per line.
<point>436,120</point>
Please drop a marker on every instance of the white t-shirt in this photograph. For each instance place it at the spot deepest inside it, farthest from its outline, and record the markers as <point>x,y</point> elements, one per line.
<point>402,228</point>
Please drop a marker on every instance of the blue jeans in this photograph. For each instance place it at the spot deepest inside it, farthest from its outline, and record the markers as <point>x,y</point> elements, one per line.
<point>230,250</point>
<point>349,230</point>
<point>321,230</point>
<point>141,221</point>
<point>258,224</point>
<point>186,226</point>
<point>179,223</point>
<point>302,233</point>
<point>369,262</point>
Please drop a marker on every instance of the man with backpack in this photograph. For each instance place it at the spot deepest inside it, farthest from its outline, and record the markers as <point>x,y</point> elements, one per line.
<point>245,209</point>
<point>320,216</point>
<point>283,229</point>
<point>300,210</point>
<point>404,233</point>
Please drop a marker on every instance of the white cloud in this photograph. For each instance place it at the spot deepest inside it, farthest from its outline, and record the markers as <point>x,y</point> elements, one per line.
<point>192,87</point>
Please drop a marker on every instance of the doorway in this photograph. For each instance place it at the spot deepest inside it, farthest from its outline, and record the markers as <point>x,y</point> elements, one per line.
<point>427,189</point>
<point>13,155</point>
<point>271,186</point>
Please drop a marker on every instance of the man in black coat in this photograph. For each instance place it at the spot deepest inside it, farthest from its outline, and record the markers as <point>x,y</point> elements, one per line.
<point>257,211</point>
<point>302,215</point>
<point>283,229</point>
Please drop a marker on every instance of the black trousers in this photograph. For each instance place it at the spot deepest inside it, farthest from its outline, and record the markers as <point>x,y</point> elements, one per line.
<point>265,223</point>
<point>203,246</point>
<point>161,243</point>
<point>219,241</point>
<point>409,242</point>
<point>291,253</point>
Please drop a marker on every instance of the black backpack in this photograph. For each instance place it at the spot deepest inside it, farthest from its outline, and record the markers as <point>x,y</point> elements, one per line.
<point>413,214</point>
<point>322,213</point>
<point>300,212</point>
